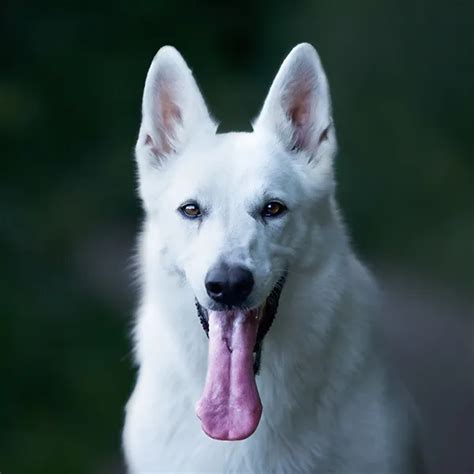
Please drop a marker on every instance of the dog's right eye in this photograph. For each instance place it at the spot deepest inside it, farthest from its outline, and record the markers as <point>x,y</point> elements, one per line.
<point>273,209</point>
<point>190,210</point>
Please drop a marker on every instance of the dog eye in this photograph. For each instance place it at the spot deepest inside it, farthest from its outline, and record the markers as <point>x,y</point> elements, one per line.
<point>273,209</point>
<point>190,210</point>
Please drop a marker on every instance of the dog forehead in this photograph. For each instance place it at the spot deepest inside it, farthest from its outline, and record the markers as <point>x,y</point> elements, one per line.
<point>236,157</point>
<point>235,167</point>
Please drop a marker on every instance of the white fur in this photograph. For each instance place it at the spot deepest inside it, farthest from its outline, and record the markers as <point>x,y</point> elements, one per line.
<point>328,406</point>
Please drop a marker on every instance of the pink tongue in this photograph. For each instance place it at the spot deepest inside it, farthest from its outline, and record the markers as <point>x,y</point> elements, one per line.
<point>230,407</point>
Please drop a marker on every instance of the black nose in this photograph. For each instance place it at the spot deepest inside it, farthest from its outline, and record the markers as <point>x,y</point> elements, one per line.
<point>229,285</point>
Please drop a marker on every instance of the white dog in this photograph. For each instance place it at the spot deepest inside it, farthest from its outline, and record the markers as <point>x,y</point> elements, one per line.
<point>243,242</point>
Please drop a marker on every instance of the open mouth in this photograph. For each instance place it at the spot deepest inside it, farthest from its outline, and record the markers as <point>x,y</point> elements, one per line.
<point>230,406</point>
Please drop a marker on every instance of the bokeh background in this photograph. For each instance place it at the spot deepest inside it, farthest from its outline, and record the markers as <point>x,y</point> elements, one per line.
<point>71,78</point>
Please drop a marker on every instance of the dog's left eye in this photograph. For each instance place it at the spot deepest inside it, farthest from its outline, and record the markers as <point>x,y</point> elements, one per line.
<point>190,210</point>
<point>273,209</point>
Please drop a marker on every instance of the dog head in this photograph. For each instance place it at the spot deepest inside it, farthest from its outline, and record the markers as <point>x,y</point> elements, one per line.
<point>235,210</point>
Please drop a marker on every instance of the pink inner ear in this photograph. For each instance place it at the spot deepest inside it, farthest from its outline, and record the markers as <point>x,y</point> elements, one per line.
<point>170,112</point>
<point>300,115</point>
<point>169,118</point>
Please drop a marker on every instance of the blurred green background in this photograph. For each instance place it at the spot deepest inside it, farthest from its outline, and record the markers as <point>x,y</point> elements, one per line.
<point>71,79</point>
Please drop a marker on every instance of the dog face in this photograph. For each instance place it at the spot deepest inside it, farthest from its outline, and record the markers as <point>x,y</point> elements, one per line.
<point>234,211</point>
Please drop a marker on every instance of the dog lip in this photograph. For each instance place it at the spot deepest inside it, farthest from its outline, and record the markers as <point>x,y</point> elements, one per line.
<point>203,311</point>
<point>220,307</point>
<point>247,309</point>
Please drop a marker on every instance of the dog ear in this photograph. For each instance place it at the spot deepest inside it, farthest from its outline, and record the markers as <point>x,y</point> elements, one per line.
<point>297,109</point>
<point>173,108</point>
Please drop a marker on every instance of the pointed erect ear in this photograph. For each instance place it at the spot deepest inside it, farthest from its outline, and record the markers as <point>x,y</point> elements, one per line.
<point>297,109</point>
<point>173,108</point>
